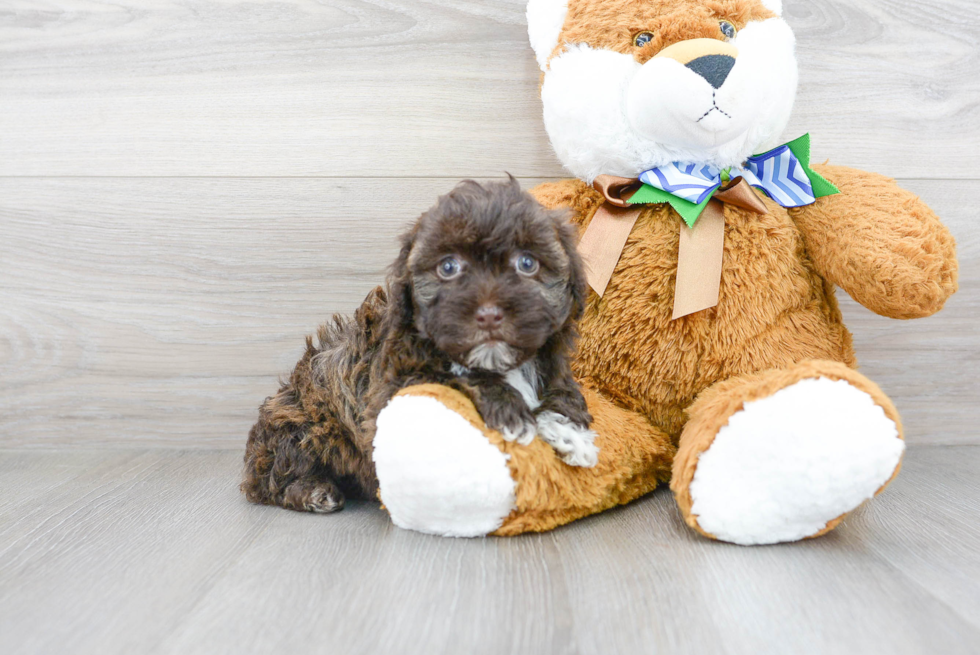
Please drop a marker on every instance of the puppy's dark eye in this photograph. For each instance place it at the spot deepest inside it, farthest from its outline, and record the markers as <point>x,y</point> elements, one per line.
<point>526,265</point>
<point>727,29</point>
<point>643,38</point>
<point>449,268</point>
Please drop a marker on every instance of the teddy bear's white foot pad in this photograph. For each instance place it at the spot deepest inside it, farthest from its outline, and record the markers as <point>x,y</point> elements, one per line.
<point>786,465</point>
<point>437,473</point>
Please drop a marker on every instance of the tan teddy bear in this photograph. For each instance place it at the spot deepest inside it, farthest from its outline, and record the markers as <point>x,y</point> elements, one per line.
<point>713,353</point>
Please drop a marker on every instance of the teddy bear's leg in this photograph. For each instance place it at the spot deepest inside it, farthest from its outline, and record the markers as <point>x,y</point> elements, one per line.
<point>442,471</point>
<point>784,454</point>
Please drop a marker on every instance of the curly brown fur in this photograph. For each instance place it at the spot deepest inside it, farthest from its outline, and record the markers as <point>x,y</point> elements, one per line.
<point>311,446</point>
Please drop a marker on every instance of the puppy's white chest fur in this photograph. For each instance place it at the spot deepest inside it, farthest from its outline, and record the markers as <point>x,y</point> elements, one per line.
<point>525,380</point>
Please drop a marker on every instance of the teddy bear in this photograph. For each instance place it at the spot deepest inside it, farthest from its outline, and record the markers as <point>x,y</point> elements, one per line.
<point>713,355</point>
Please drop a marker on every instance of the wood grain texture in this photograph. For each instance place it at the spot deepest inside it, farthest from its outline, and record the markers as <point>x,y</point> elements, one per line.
<point>188,188</point>
<point>384,88</point>
<point>161,311</point>
<point>155,552</point>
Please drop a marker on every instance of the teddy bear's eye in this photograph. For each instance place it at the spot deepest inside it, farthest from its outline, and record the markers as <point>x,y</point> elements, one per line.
<point>642,39</point>
<point>727,29</point>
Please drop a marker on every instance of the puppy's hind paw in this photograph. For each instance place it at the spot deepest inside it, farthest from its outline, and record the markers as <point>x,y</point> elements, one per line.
<point>573,443</point>
<point>324,500</point>
<point>316,497</point>
<point>524,434</point>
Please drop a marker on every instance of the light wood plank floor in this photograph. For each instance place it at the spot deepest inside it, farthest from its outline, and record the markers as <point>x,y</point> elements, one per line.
<point>154,551</point>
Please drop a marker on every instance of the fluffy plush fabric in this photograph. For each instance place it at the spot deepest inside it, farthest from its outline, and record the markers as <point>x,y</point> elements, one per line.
<point>440,475</point>
<point>634,457</point>
<point>544,21</point>
<point>776,310</point>
<point>791,318</point>
<point>881,244</point>
<point>611,108</point>
<point>763,385</point>
<point>776,6</point>
<point>764,460</point>
<point>782,467</point>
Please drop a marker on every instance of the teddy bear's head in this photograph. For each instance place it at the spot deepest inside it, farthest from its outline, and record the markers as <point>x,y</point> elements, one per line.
<point>631,85</point>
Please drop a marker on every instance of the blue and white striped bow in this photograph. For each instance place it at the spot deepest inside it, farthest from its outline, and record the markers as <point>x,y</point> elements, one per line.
<point>778,173</point>
<point>784,174</point>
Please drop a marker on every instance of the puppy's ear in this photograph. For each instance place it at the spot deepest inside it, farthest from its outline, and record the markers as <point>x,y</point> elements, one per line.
<point>578,287</point>
<point>401,313</point>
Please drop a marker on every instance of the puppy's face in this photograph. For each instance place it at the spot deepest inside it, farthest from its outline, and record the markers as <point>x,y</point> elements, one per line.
<point>492,275</point>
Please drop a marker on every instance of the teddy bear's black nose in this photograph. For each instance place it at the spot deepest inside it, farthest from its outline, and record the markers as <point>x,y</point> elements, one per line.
<point>713,68</point>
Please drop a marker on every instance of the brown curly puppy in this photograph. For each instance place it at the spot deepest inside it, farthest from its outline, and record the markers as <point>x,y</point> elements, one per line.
<point>483,297</point>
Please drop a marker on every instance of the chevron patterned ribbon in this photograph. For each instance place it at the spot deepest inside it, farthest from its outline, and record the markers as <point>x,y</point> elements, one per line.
<point>783,174</point>
<point>691,182</point>
<point>780,175</point>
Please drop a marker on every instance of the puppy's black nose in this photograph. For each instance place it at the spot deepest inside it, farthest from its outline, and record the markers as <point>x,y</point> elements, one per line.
<point>489,316</point>
<point>713,68</point>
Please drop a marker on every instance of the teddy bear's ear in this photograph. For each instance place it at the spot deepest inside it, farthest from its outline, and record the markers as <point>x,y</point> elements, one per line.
<point>545,19</point>
<point>774,5</point>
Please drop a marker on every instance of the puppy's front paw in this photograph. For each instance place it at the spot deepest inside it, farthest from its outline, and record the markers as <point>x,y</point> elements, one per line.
<point>514,422</point>
<point>523,435</point>
<point>574,443</point>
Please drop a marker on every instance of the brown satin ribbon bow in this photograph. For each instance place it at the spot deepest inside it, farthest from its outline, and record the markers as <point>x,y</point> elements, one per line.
<point>701,247</point>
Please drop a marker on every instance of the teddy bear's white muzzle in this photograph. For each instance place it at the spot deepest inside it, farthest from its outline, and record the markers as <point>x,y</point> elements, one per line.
<point>672,103</point>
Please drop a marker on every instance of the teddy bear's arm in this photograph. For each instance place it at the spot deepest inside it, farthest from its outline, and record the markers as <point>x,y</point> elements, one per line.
<point>880,243</point>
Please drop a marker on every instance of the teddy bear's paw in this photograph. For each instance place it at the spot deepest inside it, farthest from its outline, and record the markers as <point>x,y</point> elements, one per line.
<point>574,444</point>
<point>785,467</point>
<point>437,472</point>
